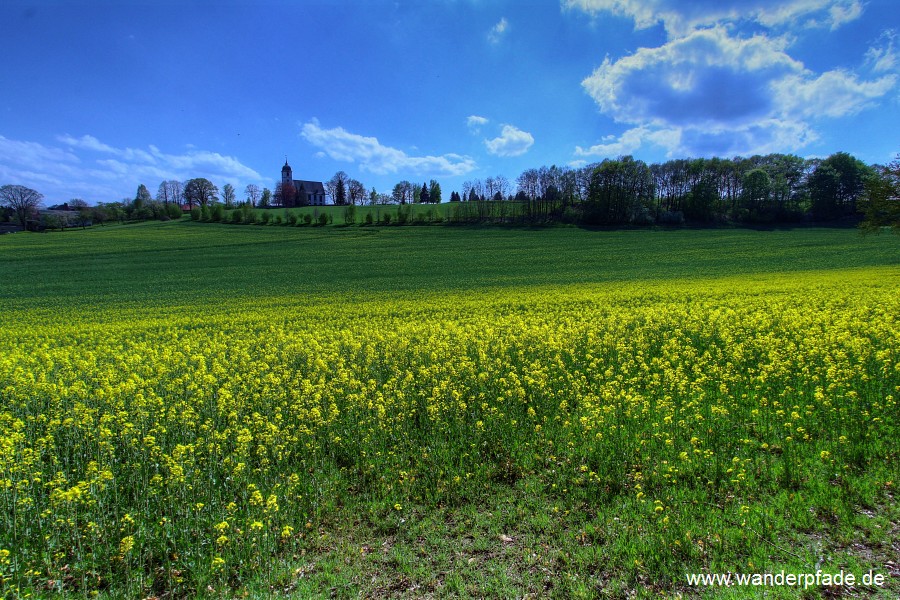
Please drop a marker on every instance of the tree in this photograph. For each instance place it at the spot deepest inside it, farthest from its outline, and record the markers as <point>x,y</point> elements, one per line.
<point>170,192</point>
<point>253,193</point>
<point>143,197</point>
<point>336,187</point>
<point>434,192</point>
<point>356,192</point>
<point>199,191</point>
<point>424,196</point>
<point>403,192</point>
<point>881,203</point>
<point>228,195</point>
<point>266,199</point>
<point>22,200</point>
<point>836,184</point>
<point>286,194</point>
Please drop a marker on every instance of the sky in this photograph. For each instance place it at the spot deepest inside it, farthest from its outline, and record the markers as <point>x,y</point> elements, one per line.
<point>98,97</point>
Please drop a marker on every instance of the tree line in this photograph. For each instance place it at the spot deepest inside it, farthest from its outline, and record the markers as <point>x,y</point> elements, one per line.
<point>772,188</point>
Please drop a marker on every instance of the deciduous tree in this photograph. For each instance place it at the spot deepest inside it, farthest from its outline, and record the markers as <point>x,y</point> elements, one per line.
<point>22,200</point>
<point>253,193</point>
<point>200,191</point>
<point>170,192</point>
<point>228,195</point>
<point>881,203</point>
<point>356,192</point>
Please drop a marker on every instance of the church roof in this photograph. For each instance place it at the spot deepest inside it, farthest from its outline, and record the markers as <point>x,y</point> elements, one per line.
<point>310,187</point>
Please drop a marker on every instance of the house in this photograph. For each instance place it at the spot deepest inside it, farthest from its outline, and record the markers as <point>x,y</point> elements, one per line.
<point>310,193</point>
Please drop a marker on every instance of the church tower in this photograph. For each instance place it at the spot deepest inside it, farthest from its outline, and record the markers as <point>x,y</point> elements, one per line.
<point>287,177</point>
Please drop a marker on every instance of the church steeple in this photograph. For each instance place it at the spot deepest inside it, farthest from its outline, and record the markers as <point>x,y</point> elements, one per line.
<point>287,176</point>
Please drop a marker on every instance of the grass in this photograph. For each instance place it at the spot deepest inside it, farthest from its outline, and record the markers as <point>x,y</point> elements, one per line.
<point>209,410</point>
<point>183,262</point>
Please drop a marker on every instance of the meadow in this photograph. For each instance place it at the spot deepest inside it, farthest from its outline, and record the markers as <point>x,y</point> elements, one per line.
<point>203,410</point>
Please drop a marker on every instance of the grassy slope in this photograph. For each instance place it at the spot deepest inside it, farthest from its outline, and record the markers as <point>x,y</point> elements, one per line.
<point>507,544</point>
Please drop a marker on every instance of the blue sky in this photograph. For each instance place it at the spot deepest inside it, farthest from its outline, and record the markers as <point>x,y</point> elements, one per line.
<point>99,97</point>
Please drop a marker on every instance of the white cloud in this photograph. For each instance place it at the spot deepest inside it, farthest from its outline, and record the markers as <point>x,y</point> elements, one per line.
<point>832,94</point>
<point>87,142</point>
<point>340,144</point>
<point>679,17</point>
<point>631,141</point>
<point>60,174</point>
<point>474,123</point>
<point>694,92</point>
<point>882,57</point>
<point>511,142</point>
<point>498,31</point>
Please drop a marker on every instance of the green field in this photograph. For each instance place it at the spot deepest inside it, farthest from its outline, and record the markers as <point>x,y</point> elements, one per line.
<point>203,410</point>
<point>160,264</point>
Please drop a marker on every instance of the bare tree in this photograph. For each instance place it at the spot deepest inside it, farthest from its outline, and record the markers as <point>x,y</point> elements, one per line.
<point>356,191</point>
<point>253,193</point>
<point>22,200</point>
<point>170,192</point>
<point>228,195</point>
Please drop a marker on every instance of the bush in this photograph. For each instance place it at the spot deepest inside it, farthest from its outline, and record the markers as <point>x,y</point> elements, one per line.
<point>237,217</point>
<point>671,217</point>
<point>291,217</point>
<point>278,220</point>
<point>307,219</point>
<point>196,214</point>
<point>266,217</point>
<point>323,219</point>
<point>387,218</point>
<point>173,211</point>
<point>249,217</point>
<point>369,219</point>
<point>217,214</point>
<point>350,215</point>
<point>205,215</point>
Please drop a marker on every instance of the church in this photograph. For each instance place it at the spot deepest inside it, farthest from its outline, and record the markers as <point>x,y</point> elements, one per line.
<point>310,193</point>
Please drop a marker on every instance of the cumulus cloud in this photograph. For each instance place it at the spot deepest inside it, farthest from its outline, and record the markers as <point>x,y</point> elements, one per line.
<point>511,142</point>
<point>679,17</point>
<point>632,140</point>
<point>340,144</point>
<point>710,91</point>
<point>498,31</point>
<point>61,174</point>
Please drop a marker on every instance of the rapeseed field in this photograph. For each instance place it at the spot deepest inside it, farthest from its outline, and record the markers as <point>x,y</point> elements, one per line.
<point>650,428</point>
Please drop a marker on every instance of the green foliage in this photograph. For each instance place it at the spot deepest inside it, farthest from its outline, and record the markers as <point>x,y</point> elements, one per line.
<point>173,211</point>
<point>881,202</point>
<point>350,215</point>
<point>196,214</point>
<point>200,191</point>
<point>836,185</point>
<point>323,219</point>
<point>217,214</point>
<point>307,219</point>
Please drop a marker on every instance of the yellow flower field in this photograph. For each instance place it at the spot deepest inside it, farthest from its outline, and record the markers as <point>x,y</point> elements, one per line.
<point>181,448</point>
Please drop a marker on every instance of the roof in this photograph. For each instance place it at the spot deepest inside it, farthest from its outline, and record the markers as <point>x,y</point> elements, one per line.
<point>310,187</point>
